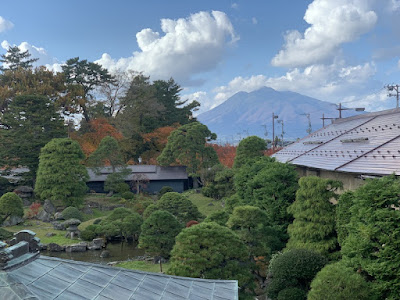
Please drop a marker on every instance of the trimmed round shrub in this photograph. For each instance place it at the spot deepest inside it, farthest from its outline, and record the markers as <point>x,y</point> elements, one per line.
<point>180,206</point>
<point>164,190</point>
<point>149,210</point>
<point>141,204</point>
<point>10,205</point>
<point>338,282</point>
<point>294,268</point>
<point>220,217</point>
<point>89,233</point>
<point>128,195</point>
<point>292,293</point>
<point>72,212</point>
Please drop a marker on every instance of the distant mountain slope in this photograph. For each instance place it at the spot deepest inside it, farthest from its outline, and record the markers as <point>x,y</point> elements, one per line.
<point>244,114</point>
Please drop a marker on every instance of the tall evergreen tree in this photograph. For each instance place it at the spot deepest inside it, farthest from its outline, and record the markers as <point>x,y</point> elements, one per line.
<point>269,185</point>
<point>29,123</point>
<point>175,110</point>
<point>15,58</point>
<point>82,77</point>
<point>314,225</point>
<point>61,175</point>
<point>373,245</point>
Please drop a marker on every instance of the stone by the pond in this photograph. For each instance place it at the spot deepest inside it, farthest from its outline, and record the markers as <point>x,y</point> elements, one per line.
<point>96,244</point>
<point>43,247</point>
<point>105,254</point>
<point>57,225</point>
<point>13,220</point>
<point>53,247</point>
<point>49,207</point>
<point>50,234</point>
<point>81,247</point>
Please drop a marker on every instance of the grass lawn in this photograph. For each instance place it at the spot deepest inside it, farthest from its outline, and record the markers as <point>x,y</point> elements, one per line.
<point>145,266</point>
<point>202,202</point>
<point>41,228</point>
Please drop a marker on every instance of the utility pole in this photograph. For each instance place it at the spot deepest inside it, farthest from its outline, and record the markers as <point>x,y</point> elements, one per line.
<point>281,122</point>
<point>273,129</point>
<point>392,88</point>
<point>309,129</point>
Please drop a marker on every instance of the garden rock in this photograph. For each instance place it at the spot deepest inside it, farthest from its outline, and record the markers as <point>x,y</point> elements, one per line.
<point>57,225</point>
<point>81,247</point>
<point>53,247</point>
<point>13,220</point>
<point>49,207</point>
<point>44,216</point>
<point>58,216</point>
<point>97,244</point>
<point>50,234</point>
<point>24,191</point>
<point>105,254</point>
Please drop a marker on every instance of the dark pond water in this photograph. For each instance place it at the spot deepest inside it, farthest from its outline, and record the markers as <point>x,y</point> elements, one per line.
<point>118,251</point>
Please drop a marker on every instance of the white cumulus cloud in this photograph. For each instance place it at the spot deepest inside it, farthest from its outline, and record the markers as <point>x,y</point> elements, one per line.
<point>5,24</point>
<point>332,23</point>
<point>185,47</point>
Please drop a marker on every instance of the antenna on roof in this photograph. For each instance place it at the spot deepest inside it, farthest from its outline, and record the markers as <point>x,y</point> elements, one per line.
<point>325,118</point>
<point>340,108</point>
<point>392,88</point>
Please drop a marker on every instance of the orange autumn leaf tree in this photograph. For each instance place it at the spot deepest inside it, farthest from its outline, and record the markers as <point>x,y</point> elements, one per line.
<point>155,142</point>
<point>226,154</point>
<point>98,129</point>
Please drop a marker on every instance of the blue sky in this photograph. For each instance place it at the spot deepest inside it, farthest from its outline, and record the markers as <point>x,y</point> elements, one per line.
<point>333,50</point>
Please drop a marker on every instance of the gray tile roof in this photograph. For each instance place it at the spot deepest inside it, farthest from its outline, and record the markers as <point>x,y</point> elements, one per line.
<point>53,278</point>
<point>150,172</point>
<point>366,144</point>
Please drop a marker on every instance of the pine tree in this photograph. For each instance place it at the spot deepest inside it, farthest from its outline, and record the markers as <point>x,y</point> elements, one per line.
<point>158,234</point>
<point>15,58</point>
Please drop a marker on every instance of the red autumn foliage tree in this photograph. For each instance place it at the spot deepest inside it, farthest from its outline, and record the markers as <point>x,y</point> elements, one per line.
<point>155,142</point>
<point>226,154</point>
<point>33,210</point>
<point>98,129</point>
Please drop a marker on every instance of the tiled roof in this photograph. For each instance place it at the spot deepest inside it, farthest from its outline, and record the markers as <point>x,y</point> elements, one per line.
<point>149,172</point>
<point>367,144</point>
<point>53,278</point>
